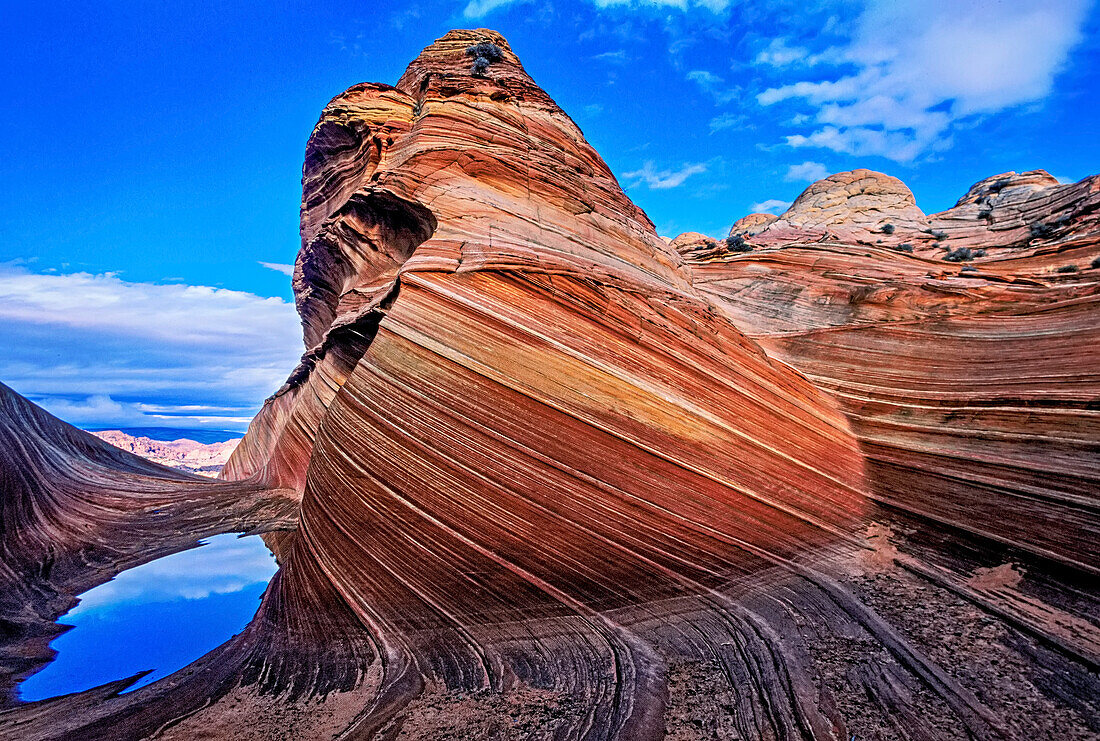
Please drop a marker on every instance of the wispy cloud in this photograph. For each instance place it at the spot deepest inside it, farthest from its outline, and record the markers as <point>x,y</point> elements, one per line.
<point>613,57</point>
<point>770,206</point>
<point>716,6</point>
<point>914,69</point>
<point>806,172</point>
<point>278,267</point>
<point>481,8</point>
<point>714,86</point>
<point>727,121</point>
<point>779,53</point>
<point>98,351</point>
<point>663,179</point>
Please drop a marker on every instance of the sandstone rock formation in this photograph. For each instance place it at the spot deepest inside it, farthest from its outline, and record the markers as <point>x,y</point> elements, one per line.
<point>971,387</point>
<point>752,224</point>
<point>205,459</point>
<point>555,477</point>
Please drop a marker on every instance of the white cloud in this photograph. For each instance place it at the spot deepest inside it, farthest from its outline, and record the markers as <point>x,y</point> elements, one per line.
<point>921,66</point>
<point>613,57</point>
<point>98,351</point>
<point>278,267</point>
<point>778,54</point>
<point>726,121</point>
<point>715,6</point>
<point>481,8</point>
<point>663,179</point>
<point>714,86</point>
<point>806,172</point>
<point>770,206</point>
<point>223,564</point>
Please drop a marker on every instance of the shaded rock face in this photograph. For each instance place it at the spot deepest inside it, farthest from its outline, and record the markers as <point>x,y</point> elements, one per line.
<point>552,479</point>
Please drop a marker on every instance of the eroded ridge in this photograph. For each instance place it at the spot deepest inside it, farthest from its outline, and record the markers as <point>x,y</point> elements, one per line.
<point>551,482</point>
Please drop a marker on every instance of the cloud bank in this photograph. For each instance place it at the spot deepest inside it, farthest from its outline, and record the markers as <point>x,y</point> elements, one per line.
<point>99,351</point>
<point>911,70</point>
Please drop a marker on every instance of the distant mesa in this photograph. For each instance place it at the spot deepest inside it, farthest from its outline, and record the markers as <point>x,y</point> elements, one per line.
<point>542,473</point>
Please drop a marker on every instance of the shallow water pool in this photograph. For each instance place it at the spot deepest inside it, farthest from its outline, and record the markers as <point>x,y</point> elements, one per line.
<point>160,616</point>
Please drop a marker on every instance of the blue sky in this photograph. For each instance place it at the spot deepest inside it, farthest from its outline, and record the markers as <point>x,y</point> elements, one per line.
<point>150,154</point>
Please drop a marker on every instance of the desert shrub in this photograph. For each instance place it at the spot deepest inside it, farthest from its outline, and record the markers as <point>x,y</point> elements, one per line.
<point>986,213</point>
<point>1038,230</point>
<point>904,247</point>
<point>484,54</point>
<point>737,243</point>
<point>968,269</point>
<point>961,254</point>
<point>887,228</point>
<point>481,64</point>
<point>1067,269</point>
<point>979,253</point>
<point>1096,263</point>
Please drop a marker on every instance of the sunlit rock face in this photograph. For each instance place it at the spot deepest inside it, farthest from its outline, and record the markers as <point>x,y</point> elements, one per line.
<point>547,423</point>
<point>557,477</point>
<point>966,365</point>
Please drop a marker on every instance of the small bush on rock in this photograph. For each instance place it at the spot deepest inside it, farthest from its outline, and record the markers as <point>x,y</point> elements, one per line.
<point>887,228</point>
<point>484,54</point>
<point>737,243</point>
<point>1038,231</point>
<point>962,254</point>
<point>1096,263</point>
<point>904,247</point>
<point>1067,269</point>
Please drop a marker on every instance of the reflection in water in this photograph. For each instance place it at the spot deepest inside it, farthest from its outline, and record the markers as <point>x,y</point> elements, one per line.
<point>161,616</point>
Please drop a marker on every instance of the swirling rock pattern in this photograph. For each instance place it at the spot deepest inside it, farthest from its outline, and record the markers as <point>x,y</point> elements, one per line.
<point>972,387</point>
<point>550,481</point>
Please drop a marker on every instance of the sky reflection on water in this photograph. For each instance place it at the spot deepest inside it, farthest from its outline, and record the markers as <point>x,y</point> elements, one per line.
<point>161,616</point>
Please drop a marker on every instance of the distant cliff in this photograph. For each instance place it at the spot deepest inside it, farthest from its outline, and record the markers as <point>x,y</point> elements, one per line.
<point>205,459</point>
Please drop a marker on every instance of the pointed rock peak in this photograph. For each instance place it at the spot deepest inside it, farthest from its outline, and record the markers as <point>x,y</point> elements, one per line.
<point>470,61</point>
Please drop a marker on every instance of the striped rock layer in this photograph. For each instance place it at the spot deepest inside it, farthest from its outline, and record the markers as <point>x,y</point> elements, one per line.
<point>552,479</point>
